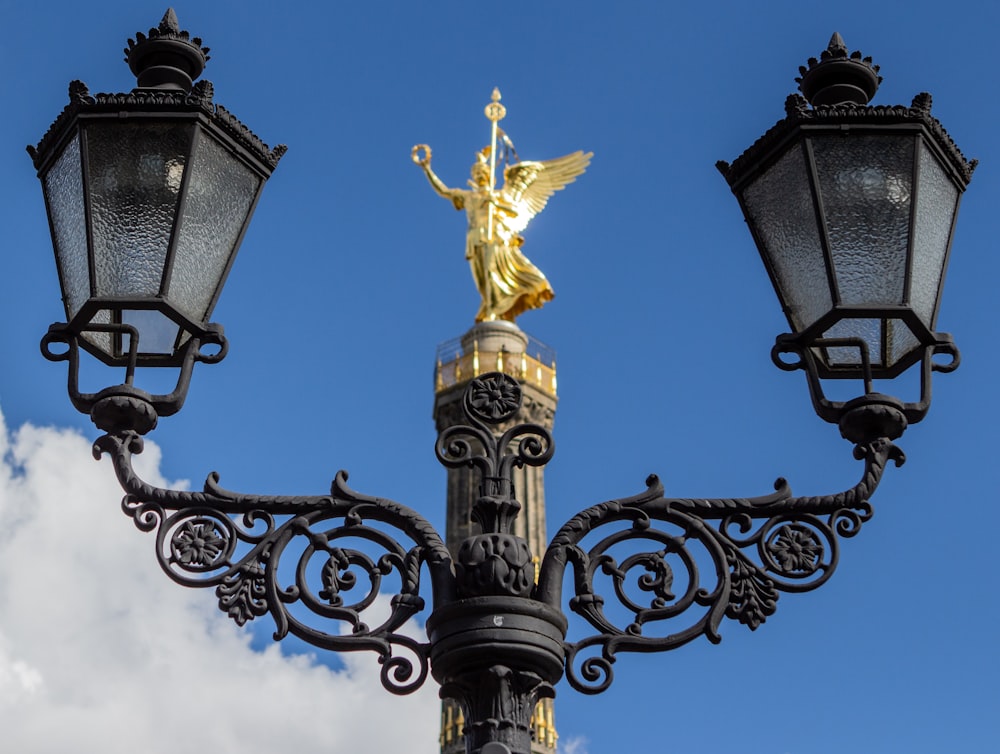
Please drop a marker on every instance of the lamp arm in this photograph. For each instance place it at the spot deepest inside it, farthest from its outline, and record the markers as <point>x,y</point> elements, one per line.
<point>335,567</point>
<point>657,552</point>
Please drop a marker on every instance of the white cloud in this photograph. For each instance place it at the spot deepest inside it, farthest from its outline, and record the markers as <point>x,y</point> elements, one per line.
<point>575,745</point>
<point>99,648</point>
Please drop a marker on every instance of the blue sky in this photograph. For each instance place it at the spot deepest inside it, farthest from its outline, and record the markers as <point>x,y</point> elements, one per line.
<point>353,271</point>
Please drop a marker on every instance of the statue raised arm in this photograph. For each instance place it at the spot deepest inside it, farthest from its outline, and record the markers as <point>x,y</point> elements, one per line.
<point>457,196</point>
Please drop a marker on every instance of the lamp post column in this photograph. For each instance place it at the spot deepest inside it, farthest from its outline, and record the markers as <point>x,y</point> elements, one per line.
<point>487,347</point>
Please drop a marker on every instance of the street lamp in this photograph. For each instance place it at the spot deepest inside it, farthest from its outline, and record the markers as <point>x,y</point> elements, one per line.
<point>815,190</point>
<point>148,195</point>
<point>852,208</point>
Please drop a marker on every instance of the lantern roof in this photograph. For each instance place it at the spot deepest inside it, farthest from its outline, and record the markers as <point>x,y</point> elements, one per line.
<point>836,71</point>
<point>153,101</point>
<point>165,61</point>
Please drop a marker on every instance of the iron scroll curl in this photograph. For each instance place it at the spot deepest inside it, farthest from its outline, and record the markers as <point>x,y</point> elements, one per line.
<point>651,573</point>
<point>339,563</point>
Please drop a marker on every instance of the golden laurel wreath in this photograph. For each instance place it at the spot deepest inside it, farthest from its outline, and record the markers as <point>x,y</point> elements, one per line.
<point>415,154</point>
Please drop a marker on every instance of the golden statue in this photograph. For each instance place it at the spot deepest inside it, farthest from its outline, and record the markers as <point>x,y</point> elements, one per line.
<point>508,283</point>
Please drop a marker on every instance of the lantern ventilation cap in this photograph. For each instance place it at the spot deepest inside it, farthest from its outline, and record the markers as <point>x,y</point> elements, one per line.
<point>166,57</point>
<point>838,77</point>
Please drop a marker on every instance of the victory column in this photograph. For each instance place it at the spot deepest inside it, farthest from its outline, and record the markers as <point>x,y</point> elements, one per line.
<point>508,284</point>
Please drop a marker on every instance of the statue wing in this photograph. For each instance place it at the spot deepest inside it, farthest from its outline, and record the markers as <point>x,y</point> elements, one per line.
<point>528,185</point>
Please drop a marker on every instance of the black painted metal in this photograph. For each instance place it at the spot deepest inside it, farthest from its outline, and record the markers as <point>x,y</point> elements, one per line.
<point>96,404</point>
<point>758,548</point>
<point>166,57</point>
<point>835,411</point>
<point>838,77</point>
<point>495,639</point>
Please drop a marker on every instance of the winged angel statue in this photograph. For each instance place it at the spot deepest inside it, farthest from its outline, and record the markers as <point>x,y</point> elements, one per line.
<point>508,283</point>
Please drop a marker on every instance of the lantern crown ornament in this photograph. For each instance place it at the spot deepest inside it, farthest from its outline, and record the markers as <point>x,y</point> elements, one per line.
<point>148,194</point>
<point>853,209</point>
<point>166,57</point>
<point>838,77</point>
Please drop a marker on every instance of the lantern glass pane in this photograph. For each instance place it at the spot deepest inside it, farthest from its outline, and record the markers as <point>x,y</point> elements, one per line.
<point>779,207</point>
<point>135,174</point>
<point>865,187</point>
<point>887,340</point>
<point>867,330</point>
<point>219,196</point>
<point>157,332</point>
<point>102,340</point>
<point>64,197</point>
<point>937,202</point>
<point>901,341</point>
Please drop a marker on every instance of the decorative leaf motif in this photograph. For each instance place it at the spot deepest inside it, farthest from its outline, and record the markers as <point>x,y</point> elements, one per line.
<point>752,597</point>
<point>494,564</point>
<point>242,595</point>
<point>336,577</point>
<point>659,579</point>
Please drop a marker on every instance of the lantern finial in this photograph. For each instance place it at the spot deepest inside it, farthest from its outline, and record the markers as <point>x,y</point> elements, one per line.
<point>836,45</point>
<point>166,57</point>
<point>839,77</point>
<point>170,24</point>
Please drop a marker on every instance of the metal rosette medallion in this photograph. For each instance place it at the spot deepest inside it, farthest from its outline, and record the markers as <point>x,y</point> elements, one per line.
<point>493,397</point>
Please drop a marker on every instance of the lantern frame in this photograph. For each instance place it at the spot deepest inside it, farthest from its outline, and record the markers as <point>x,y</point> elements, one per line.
<point>207,121</point>
<point>839,86</point>
<point>165,61</point>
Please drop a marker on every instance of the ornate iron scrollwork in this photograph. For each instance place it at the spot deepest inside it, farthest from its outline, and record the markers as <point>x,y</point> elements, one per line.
<point>756,547</point>
<point>649,573</point>
<point>235,543</point>
<point>495,562</point>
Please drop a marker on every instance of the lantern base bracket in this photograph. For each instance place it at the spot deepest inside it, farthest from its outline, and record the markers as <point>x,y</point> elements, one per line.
<point>857,417</point>
<point>872,416</point>
<point>125,407</point>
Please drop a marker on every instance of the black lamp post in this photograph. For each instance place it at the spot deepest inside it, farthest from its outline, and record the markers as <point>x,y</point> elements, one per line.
<point>852,207</point>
